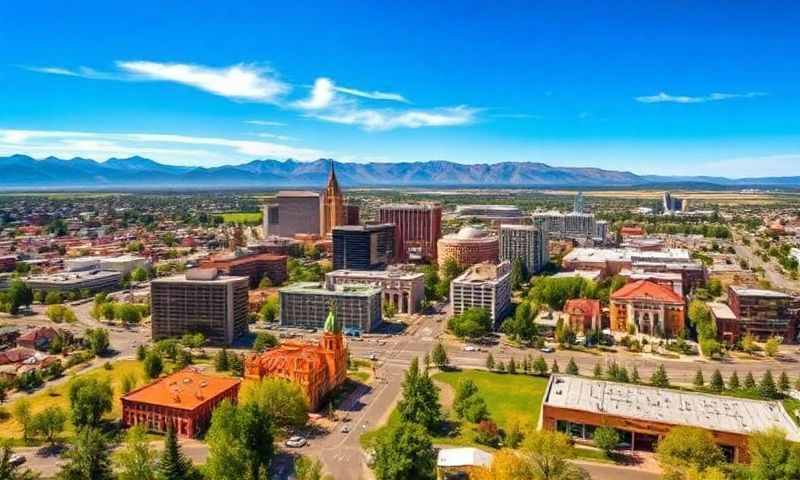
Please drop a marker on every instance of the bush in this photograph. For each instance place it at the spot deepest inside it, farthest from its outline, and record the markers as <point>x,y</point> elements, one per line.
<point>606,439</point>
<point>487,433</point>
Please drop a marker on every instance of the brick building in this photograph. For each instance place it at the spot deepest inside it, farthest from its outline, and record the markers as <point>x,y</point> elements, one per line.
<point>467,247</point>
<point>254,266</point>
<point>651,308</point>
<point>762,313</point>
<point>185,399</point>
<point>417,229</point>
<point>584,315</point>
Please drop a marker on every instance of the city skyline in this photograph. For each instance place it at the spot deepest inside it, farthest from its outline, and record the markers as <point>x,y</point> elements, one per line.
<point>647,89</point>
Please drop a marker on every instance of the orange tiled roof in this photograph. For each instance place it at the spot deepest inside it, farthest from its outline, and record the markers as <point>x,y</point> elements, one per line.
<point>582,306</point>
<point>37,333</point>
<point>280,358</point>
<point>186,389</point>
<point>647,290</point>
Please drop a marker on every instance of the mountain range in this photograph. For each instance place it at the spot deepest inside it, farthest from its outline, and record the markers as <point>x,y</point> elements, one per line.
<point>24,172</point>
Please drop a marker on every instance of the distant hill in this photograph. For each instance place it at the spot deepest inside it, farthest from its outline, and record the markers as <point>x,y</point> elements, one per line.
<point>21,171</point>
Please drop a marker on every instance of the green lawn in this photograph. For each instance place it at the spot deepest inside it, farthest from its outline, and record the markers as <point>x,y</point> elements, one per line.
<point>245,218</point>
<point>508,397</point>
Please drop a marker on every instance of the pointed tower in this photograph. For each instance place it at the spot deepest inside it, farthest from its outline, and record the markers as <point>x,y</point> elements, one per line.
<point>335,350</point>
<point>333,210</point>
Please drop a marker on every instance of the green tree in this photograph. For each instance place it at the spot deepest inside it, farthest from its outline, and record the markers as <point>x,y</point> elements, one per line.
<point>173,464</point>
<point>512,366</point>
<point>153,365</point>
<point>137,460</point>
<point>598,370</point>
<point>606,439</point>
<point>97,340</point>
<point>405,452</point>
<point>466,388</point>
<point>546,455</point>
<point>772,456</point>
<point>49,423</point>
<point>659,377</point>
<point>139,274</point>
<point>22,414</point>
<point>767,388</point>
<point>540,366</point>
<point>270,310</point>
<point>635,378</point>
<point>127,313</point>
<point>88,459</point>
<point>420,398</point>
<point>572,367</point>
<point>237,365</point>
<point>282,400</point>
<point>255,433</point>
<point>306,468</point>
<point>439,356</point>
<point>221,361</point>
<point>688,447</point>
<point>733,381</point>
<point>522,324</point>
<point>89,398</point>
<point>772,346</point>
<point>749,381</point>
<point>783,382</point>
<point>699,381</point>
<point>717,384</point>
<point>749,344</point>
<point>19,295</point>
<point>474,322</point>
<point>490,362</point>
<point>518,273</point>
<point>264,341</point>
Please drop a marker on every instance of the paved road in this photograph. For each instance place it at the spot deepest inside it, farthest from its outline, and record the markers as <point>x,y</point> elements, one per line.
<point>772,272</point>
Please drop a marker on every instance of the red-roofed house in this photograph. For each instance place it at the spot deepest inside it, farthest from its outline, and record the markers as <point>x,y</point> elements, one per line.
<point>651,308</point>
<point>37,338</point>
<point>583,315</point>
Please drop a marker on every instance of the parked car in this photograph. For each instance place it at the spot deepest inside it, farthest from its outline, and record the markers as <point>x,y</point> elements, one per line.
<point>470,348</point>
<point>547,349</point>
<point>296,442</point>
<point>345,429</point>
<point>17,460</point>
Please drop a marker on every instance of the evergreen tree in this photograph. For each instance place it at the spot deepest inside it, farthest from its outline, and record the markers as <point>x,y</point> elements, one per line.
<point>420,400</point>
<point>717,385</point>
<point>88,458</point>
<point>572,367</point>
<point>749,381</point>
<point>783,382</point>
<point>405,452</point>
<point>173,464</point>
<point>526,365</point>
<point>501,367</point>
<point>699,381</point>
<point>622,375</point>
<point>659,377</point>
<point>767,388</point>
<point>635,378</point>
<point>598,370</point>
<point>733,381</point>
<point>540,366</point>
<point>490,362</point>
<point>440,356</point>
<point>555,368</point>
<point>512,366</point>
<point>237,365</point>
<point>221,362</point>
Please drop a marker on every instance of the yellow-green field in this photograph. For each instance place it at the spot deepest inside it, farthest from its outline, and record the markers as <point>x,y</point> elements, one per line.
<point>243,218</point>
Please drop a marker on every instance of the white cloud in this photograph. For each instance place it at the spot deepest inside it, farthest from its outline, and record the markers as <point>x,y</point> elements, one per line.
<point>282,138</point>
<point>241,82</point>
<point>663,97</point>
<point>322,95</point>
<point>265,123</point>
<point>373,95</point>
<point>170,148</point>
<point>370,119</point>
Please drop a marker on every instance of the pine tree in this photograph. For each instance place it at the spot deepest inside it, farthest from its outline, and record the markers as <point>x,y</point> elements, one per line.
<point>749,381</point>
<point>766,387</point>
<point>173,464</point>
<point>512,366</point>
<point>598,370</point>
<point>635,378</point>
<point>659,377</point>
<point>490,362</point>
<point>783,382</point>
<point>540,366</point>
<point>221,362</point>
<point>439,356</point>
<point>526,365</point>
<point>699,381</point>
<point>501,367</point>
<point>717,385</point>
<point>572,367</point>
<point>555,368</point>
<point>733,381</point>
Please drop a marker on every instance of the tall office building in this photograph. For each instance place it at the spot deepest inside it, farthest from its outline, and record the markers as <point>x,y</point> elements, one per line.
<point>294,212</point>
<point>307,304</point>
<point>363,247</point>
<point>578,207</point>
<point>417,229</point>
<point>334,212</point>
<point>670,203</point>
<point>200,301</point>
<point>569,225</point>
<point>484,285</point>
<point>528,242</point>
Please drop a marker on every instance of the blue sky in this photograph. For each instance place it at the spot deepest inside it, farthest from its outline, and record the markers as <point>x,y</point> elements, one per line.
<point>703,88</point>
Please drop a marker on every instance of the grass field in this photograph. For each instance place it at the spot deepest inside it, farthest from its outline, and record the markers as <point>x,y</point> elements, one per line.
<point>509,398</point>
<point>243,218</point>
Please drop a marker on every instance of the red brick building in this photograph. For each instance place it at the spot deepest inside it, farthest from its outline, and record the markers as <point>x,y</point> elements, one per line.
<point>185,399</point>
<point>467,247</point>
<point>583,314</point>
<point>651,308</point>
<point>255,266</point>
<point>763,314</point>
<point>417,229</point>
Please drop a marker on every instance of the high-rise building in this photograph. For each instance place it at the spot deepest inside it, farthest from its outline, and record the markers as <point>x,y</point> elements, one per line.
<point>307,304</point>
<point>527,242</point>
<point>363,247</point>
<point>484,285</point>
<point>762,313</point>
<point>417,229</point>
<point>333,208</point>
<point>671,204</point>
<point>570,225</point>
<point>294,212</point>
<point>199,301</point>
<point>352,214</point>
<point>578,207</point>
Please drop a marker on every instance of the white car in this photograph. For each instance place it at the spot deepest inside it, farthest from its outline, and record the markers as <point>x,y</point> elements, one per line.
<point>296,442</point>
<point>345,429</point>
<point>17,460</point>
<point>470,348</point>
<point>547,350</point>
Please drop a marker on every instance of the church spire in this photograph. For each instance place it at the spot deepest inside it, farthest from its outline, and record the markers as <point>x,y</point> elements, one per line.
<point>333,184</point>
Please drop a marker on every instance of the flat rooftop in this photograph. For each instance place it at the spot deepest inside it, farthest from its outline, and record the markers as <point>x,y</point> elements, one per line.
<point>377,274</point>
<point>66,278</point>
<point>317,288</point>
<point>484,272</point>
<point>627,255</point>
<point>184,278</point>
<point>673,407</point>
<point>186,389</point>
<point>721,311</point>
<point>758,292</point>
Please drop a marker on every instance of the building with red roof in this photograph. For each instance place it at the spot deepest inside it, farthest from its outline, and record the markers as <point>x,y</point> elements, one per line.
<point>583,315</point>
<point>185,399</point>
<point>651,309</point>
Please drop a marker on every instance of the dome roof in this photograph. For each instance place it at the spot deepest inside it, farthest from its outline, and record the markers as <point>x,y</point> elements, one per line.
<point>467,233</point>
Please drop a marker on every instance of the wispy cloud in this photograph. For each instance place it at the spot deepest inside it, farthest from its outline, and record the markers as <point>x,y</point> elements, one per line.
<point>373,95</point>
<point>242,81</point>
<point>274,136</point>
<point>173,148</point>
<point>663,97</point>
<point>80,72</point>
<point>518,116</point>
<point>370,119</point>
<point>265,123</point>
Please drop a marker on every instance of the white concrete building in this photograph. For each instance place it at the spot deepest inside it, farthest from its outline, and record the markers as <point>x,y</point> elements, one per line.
<point>484,285</point>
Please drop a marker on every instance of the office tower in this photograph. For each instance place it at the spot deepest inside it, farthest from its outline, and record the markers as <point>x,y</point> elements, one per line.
<point>200,301</point>
<point>417,229</point>
<point>578,207</point>
<point>307,304</point>
<point>484,285</point>
<point>363,247</point>
<point>527,242</point>
<point>294,212</point>
<point>333,209</point>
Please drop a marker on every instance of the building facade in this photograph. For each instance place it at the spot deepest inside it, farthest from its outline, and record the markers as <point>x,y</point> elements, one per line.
<point>484,285</point>
<point>468,247</point>
<point>254,266</point>
<point>651,309</point>
<point>334,212</point>
<point>577,225</point>
<point>317,369</point>
<point>93,280</point>
<point>584,315</point>
<point>201,301</point>
<point>363,247</point>
<point>292,213</point>
<point>526,242</point>
<point>307,304</point>
<point>417,229</point>
<point>404,290</point>
<point>184,400</point>
<point>763,314</point>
